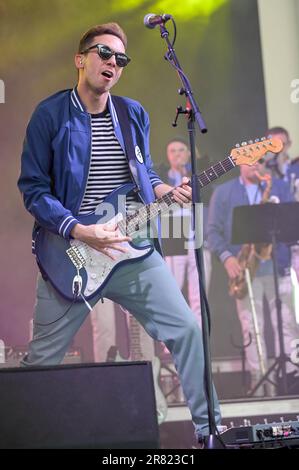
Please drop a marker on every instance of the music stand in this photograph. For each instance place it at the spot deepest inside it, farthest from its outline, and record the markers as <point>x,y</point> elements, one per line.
<point>269,223</point>
<point>177,237</point>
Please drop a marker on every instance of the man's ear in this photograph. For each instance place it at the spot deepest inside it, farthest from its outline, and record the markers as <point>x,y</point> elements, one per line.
<point>79,61</point>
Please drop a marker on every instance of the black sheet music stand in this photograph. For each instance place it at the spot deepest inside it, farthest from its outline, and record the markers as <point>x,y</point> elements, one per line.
<point>172,244</point>
<point>269,223</point>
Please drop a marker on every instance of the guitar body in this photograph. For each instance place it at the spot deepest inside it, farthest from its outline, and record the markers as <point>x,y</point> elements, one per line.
<point>55,262</point>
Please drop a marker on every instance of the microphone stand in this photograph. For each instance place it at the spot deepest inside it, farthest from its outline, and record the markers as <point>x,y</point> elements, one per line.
<point>194,115</point>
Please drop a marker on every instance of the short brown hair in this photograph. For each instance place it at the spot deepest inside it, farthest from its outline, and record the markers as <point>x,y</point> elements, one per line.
<point>98,30</point>
<point>277,130</point>
<point>179,139</point>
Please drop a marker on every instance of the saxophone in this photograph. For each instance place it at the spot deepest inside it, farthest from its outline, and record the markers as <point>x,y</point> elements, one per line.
<point>250,255</point>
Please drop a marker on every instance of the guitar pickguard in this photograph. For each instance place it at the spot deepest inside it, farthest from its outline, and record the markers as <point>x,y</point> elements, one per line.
<point>99,266</point>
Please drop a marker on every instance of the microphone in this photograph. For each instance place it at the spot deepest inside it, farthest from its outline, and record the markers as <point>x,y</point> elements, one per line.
<point>151,20</point>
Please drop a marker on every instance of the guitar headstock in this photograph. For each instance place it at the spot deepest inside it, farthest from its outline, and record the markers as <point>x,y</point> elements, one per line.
<point>251,152</point>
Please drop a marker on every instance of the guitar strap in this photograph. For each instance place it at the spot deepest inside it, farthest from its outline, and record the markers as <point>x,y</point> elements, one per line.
<point>124,120</point>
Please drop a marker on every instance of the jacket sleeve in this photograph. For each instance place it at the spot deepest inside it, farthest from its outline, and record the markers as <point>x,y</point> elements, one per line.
<point>36,182</point>
<point>216,226</point>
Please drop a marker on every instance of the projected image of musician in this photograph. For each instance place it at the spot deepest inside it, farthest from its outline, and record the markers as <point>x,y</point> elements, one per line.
<point>255,185</point>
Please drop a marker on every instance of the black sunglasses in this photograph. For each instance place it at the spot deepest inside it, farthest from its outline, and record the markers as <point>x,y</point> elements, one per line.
<point>106,53</point>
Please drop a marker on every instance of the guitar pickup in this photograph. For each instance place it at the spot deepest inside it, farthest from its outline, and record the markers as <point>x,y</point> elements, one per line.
<point>76,257</point>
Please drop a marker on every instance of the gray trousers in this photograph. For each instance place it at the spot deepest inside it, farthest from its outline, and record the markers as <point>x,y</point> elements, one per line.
<point>149,291</point>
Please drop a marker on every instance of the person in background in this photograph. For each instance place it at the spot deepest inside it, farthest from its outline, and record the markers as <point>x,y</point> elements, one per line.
<point>283,167</point>
<point>183,265</point>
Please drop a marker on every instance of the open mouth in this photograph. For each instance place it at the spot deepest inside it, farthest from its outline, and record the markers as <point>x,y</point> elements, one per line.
<point>107,74</point>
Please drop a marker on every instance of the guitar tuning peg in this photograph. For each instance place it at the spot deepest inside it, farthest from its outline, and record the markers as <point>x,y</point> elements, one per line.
<point>244,144</point>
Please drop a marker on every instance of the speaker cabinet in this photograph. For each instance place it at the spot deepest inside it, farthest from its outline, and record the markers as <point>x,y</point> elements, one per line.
<point>110,405</point>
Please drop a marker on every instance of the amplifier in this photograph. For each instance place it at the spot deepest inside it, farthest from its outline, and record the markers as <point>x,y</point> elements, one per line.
<point>79,406</point>
<point>276,434</point>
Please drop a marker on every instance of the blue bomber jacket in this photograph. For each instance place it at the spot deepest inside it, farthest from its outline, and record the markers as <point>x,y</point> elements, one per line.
<point>56,157</point>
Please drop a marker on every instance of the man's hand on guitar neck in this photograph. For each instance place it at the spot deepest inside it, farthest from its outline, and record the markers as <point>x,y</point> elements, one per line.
<point>182,194</point>
<point>101,237</point>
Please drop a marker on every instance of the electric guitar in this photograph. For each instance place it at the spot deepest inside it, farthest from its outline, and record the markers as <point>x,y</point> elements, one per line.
<point>79,272</point>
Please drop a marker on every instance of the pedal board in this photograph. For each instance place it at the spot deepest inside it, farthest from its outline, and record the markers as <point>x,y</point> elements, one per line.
<point>276,434</point>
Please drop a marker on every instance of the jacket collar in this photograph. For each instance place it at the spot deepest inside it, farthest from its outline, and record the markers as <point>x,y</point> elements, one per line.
<point>76,100</point>
<point>79,105</point>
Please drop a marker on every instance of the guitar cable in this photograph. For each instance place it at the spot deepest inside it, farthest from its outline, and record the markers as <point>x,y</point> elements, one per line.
<point>59,318</point>
<point>77,292</point>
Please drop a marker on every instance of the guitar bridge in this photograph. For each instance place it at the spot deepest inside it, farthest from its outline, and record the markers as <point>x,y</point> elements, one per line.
<point>76,257</point>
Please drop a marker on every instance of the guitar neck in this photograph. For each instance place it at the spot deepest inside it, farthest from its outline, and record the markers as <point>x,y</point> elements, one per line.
<point>135,343</point>
<point>215,171</point>
<point>142,346</point>
<point>134,222</point>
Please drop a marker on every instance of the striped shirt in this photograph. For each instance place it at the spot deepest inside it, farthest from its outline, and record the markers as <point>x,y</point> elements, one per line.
<point>108,168</point>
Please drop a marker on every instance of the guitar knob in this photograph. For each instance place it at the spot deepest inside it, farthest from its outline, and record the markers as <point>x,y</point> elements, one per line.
<point>263,138</point>
<point>237,146</point>
<point>244,144</point>
<point>250,142</point>
<point>257,140</point>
